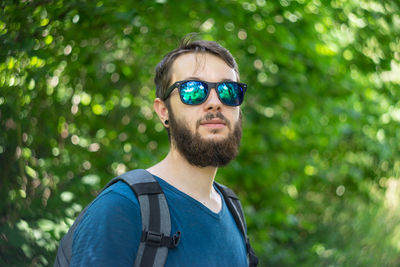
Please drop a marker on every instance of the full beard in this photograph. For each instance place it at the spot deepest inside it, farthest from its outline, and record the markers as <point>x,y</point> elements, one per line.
<point>201,152</point>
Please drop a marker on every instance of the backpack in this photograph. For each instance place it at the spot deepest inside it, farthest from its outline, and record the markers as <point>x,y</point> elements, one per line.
<point>156,236</point>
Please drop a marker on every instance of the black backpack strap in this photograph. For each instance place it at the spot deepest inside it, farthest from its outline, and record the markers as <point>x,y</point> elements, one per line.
<point>156,222</point>
<point>233,203</point>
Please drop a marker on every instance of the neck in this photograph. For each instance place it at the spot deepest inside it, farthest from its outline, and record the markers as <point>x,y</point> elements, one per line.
<point>195,181</point>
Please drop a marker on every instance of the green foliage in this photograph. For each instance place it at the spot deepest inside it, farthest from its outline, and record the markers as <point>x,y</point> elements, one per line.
<point>318,168</point>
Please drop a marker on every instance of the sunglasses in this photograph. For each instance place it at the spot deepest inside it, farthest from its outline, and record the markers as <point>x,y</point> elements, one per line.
<point>194,92</point>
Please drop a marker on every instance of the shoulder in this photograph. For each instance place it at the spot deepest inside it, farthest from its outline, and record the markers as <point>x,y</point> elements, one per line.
<point>120,189</point>
<point>110,229</point>
<point>116,201</point>
<point>226,191</point>
<point>112,204</point>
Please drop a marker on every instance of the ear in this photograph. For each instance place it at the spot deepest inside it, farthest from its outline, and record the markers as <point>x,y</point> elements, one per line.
<point>162,111</point>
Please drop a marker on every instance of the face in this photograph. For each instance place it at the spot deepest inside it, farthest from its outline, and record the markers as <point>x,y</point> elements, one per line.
<point>207,134</point>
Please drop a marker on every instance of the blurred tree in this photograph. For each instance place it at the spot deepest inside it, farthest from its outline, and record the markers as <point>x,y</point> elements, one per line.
<point>318,169</point>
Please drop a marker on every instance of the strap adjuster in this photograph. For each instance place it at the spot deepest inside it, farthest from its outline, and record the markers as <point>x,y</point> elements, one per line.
<point>160,240</point>
<point>152,238</point>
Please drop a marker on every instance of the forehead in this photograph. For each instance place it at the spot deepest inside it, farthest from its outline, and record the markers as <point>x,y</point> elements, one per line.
<point>201,65</point>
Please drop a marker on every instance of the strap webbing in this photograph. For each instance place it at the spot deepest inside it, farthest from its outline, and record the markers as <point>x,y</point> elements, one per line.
<point>156,221</point>
<point>236,209</point>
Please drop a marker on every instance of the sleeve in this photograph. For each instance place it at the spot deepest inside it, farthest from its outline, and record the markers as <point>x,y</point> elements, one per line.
<point>109,234</point>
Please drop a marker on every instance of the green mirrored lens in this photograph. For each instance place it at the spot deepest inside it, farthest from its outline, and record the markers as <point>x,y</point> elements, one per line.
<point>230,93</point>
<point>193,92</point>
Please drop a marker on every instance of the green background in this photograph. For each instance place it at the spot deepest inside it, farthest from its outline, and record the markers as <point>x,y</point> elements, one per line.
<point>318,171</point>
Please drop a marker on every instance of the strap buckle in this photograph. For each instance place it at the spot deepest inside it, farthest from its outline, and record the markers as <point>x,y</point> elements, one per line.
<point>160,240</point>
<point>152,238</point>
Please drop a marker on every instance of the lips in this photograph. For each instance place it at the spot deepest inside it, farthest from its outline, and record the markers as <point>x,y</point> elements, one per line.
<point>214,123</point>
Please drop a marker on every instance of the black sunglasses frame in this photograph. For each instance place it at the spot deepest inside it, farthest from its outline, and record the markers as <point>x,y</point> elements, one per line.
<point>210,85</point>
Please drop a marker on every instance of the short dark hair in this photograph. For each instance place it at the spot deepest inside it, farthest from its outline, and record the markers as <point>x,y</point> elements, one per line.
<point>163,74</point>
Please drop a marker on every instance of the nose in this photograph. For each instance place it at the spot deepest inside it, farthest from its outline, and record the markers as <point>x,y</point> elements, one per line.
<point>212,102</point>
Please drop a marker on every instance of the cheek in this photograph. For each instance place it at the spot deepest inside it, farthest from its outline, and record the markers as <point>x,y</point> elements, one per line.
<point>185,116</point>
<point>192,118</point>
<point>174,99</point>
<point>235,114</point>
<point>238,114</point>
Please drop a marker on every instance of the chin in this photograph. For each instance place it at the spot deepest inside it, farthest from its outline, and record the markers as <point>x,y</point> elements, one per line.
<point>215,136</point>
<point>215,132</point>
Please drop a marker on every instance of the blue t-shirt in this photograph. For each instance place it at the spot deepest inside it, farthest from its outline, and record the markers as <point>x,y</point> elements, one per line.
<point>109,234</point>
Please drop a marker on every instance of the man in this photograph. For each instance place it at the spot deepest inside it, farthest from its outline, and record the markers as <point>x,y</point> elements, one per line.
<point>198,98</point>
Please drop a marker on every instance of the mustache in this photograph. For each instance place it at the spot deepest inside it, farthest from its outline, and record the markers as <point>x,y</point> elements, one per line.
<point>210,116</point>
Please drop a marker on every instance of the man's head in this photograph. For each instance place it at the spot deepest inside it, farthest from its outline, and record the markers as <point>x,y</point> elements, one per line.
<point>163,75</point>
<point>202,116</point>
